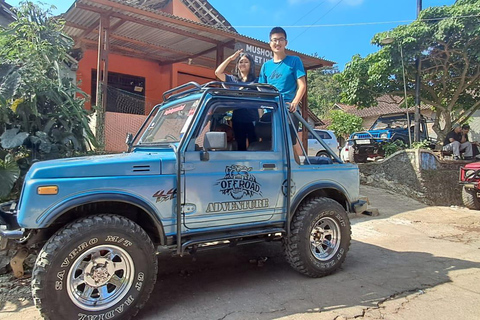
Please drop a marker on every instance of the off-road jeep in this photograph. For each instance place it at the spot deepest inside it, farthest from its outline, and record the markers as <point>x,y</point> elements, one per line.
<point>469,179</point>
<point>97,222</point>
<point>391,128</point>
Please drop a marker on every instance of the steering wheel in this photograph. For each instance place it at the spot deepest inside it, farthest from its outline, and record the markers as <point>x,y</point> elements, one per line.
<point>171,137</point>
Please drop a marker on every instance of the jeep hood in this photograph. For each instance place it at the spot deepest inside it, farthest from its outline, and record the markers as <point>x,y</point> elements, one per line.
<point>123,164</point>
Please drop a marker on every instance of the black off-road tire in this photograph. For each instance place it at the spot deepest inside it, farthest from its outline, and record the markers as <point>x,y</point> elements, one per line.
<point>470,199</point>
<point>359,158</point>
<point>323,153</point>
<point>107,258</point>
<point>298,249</point>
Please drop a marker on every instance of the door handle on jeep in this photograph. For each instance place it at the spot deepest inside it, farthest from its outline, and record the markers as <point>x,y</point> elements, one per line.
<point>269,166</point>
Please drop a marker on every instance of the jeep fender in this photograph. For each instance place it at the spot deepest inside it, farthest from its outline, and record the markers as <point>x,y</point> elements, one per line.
<point>48,217</point>
<point>302,194</point>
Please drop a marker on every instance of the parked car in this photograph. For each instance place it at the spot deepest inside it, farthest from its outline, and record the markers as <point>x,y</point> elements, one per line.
<point>96,222</point>
<point>314,146</point>
<point>391,128</point>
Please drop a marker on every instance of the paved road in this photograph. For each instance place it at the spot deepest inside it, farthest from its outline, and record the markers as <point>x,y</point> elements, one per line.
<point>411,262</point>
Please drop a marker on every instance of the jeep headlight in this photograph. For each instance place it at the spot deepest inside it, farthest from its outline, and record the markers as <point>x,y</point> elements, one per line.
<point>384,136</point>
<point>355,137</point>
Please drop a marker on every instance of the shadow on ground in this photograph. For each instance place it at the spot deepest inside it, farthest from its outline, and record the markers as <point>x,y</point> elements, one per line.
<point>230,284</point>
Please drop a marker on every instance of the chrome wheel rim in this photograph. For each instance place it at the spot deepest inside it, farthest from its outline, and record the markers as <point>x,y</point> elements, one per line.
<point>325,239</point>
<point>100,277</point>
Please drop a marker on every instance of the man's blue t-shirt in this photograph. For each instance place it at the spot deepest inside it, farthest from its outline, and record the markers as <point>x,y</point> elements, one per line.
<point>283,75</point>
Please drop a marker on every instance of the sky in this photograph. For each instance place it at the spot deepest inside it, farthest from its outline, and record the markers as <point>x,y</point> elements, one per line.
<point>322,27</point>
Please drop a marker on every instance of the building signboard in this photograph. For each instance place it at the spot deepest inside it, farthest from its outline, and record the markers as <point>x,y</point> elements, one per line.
<point>259,54</point>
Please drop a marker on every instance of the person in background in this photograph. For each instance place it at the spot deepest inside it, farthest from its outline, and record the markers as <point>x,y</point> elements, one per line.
<point>465,131</point>
<point>284,72</point>
<point>456,142</point>
<point>287,74</point>
<point>244,69</point>
<point>243,120</point>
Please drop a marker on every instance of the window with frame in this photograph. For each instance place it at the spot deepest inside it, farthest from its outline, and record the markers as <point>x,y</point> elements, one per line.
<point>248,125</point>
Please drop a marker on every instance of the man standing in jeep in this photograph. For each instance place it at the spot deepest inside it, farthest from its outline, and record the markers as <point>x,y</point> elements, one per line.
<point>456,141</point>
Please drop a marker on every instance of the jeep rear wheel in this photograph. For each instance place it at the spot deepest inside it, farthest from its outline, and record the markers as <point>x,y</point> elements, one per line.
<point>470,199</point>
<point>319,237</point>
<point>96,267</point>
<point>323,153</point>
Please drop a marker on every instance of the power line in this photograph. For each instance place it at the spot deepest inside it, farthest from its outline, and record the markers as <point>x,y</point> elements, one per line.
<point>361,23</point>
<point>336,5</point>
<point>311,10</point>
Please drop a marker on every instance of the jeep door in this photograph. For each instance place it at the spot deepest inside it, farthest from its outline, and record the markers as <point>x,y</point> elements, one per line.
<point>233,187</point>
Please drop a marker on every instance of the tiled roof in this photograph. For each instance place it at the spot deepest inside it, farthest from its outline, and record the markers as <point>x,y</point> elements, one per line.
<point>6,13</point>
<point>386,105</point>
<point>137,30</point>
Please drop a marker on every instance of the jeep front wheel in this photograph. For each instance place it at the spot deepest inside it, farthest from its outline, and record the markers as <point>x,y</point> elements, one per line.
<point>319,237</point>
<point>470,198</point>
<point>99,267</point>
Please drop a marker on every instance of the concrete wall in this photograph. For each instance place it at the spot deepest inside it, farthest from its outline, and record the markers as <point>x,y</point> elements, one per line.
<point>418,174</point>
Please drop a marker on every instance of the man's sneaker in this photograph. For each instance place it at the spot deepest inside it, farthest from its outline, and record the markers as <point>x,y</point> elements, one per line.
<point>456,158</point>
<point>467,158</point>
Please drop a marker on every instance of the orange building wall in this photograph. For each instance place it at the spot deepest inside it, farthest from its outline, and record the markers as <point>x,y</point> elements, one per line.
<point>176,7</point>
<point>157,79</point>
<point>193,70</point>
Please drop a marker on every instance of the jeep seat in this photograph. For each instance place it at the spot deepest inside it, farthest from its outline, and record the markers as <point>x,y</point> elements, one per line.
<point>320,160</point>
<point>263,130</point>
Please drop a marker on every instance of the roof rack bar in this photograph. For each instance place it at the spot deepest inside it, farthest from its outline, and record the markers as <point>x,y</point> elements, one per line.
<point>254,86</point>
<point>180,88</point>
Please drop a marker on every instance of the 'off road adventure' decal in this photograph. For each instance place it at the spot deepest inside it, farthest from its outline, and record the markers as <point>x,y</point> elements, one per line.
<point>239,182</point>
<point>230,206</point>
<point>163,195</point>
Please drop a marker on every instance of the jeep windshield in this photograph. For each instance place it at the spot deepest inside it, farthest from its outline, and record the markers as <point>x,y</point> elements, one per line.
<point>397,122</point>
<point>169,124</point>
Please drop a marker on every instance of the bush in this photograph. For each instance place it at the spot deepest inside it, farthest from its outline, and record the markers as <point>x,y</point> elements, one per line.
<point>41,110</point>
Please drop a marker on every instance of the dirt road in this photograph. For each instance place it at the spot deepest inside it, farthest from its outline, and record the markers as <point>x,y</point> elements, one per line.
<point>410,262</point>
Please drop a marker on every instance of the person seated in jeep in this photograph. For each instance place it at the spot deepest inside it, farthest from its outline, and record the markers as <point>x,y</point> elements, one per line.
<point>456,142</point>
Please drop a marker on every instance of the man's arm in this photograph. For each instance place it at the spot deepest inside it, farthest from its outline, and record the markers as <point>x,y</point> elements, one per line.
<point>301,88</point>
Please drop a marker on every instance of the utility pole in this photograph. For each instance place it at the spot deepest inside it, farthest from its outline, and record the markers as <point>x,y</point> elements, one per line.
<point>416,132</point>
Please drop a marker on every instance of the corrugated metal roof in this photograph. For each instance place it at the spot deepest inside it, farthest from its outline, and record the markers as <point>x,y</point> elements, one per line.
<point>137,29</point>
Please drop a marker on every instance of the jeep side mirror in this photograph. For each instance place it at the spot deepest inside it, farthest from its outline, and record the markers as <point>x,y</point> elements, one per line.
<point>213,141</point>
<point>129,140</point>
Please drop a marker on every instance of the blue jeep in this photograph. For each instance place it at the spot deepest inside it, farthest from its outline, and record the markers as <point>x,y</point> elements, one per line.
<point>98,222</point>
<point>391,128</point>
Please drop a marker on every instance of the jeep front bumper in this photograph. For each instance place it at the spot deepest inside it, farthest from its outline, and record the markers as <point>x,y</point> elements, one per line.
<point>9,228</point>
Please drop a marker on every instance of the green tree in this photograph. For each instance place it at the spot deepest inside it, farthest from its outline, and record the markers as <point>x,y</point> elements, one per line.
<point>323,90</point>
<point>41,110</point>
<point>447,40</point>
<point>344,124</point>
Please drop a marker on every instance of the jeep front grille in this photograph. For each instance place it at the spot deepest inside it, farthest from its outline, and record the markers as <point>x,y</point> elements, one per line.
<point>367,136</point>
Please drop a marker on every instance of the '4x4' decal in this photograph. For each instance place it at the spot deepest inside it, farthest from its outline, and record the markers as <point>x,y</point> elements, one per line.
<point>163,195</point>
